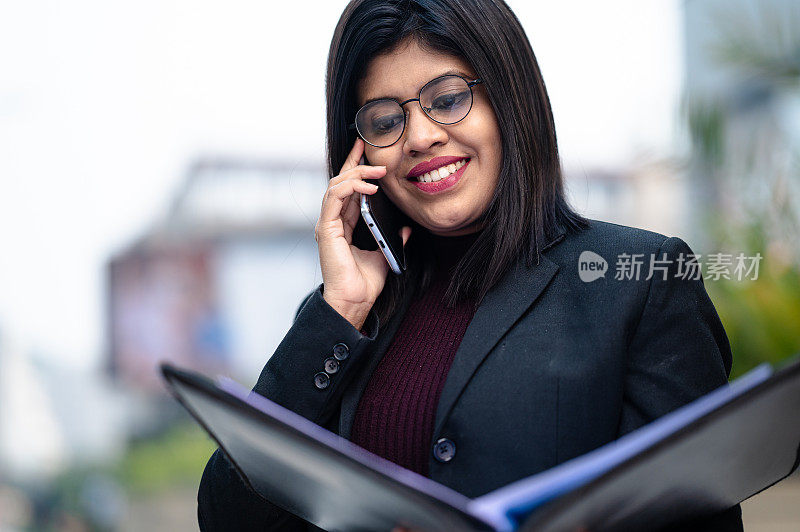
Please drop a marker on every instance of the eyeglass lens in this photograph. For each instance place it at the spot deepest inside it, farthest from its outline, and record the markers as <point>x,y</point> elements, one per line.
<point>446,100</point>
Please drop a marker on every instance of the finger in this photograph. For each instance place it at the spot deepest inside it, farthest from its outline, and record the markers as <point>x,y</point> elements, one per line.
<point>333,202</point>
<point>352,213</point>
<point>362,173</point>
<point>346,204</point>
<point>359,172</point>
<point>356,152</point>
<point>347,201</point>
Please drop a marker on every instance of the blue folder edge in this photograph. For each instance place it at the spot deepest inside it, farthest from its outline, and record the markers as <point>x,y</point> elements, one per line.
<point>512,503</point>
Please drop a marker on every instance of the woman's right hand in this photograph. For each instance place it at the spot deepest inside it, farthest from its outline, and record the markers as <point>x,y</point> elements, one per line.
<point>353,278</point>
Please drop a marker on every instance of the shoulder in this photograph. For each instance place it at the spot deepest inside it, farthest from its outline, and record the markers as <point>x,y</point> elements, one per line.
<point>601,236</point>
<point>612,241</point>
<point>619,269</point>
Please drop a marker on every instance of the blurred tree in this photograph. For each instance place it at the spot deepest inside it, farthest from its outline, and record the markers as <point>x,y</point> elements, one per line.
<point>743,120</point>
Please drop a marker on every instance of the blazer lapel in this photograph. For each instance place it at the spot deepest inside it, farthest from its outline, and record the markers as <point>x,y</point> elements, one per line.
<point>499,310</point>
<point>501,307</point>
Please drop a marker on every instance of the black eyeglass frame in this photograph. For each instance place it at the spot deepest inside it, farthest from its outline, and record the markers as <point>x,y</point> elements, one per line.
<point>470,84</point>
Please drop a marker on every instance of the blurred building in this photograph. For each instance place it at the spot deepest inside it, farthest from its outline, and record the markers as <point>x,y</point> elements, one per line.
<point>31,441</point>
<point>53,417</point>
<point>738,165</point>
<point>214,285</point>
<point>650,194</point>
<point>742,103</point>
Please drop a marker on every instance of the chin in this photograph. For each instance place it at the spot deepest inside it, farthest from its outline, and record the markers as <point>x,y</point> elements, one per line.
<point>445,229</point>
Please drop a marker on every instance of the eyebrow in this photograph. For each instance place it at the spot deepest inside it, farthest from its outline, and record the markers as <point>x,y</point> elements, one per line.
<point>452,71</point>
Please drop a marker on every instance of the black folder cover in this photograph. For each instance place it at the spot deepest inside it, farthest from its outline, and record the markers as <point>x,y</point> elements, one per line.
<point>700,459</point>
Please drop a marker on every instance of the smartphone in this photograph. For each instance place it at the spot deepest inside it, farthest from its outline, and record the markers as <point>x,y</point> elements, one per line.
<point>384,221</point>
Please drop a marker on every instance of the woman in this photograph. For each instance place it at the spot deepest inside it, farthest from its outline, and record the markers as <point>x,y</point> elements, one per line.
<point>489,359</point>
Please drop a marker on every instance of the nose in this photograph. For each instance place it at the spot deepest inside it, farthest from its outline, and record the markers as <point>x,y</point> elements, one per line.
<point>421,133</point>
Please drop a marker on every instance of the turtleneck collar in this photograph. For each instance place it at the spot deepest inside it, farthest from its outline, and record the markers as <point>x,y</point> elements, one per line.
<point>448,250</point>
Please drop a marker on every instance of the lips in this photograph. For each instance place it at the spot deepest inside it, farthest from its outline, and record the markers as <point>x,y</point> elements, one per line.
<point>438,187</point>
<point>433,164</point>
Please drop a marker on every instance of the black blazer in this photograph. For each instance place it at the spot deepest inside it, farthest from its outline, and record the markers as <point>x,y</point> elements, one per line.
<point>549,368</point>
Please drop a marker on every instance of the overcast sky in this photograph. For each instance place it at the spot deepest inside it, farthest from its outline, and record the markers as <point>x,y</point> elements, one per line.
<point>103,103</point>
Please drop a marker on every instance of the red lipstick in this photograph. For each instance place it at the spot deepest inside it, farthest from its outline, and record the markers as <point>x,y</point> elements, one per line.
<point>433,164</point>
<point>439,186</point>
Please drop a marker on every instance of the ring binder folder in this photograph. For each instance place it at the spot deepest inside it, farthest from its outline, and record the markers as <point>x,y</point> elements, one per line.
<point>702,458</point>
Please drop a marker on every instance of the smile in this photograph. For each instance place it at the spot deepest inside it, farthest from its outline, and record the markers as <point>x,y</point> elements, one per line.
<point>440,179</point>
<point>441,173</point>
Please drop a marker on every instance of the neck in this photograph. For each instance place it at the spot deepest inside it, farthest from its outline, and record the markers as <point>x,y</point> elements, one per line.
<point>447,251</point>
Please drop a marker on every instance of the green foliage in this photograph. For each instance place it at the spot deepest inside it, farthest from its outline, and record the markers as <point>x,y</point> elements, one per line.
<point>761,316</point>
<point>764,44</point>
<point>706,122</point>
<point>177,458</point>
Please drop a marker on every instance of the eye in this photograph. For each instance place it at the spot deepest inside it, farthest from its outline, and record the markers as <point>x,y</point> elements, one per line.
<point>386,123</point>
<point>449,100</point>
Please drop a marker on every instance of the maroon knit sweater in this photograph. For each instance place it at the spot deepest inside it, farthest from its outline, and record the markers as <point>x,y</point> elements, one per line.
<point>395,415</point>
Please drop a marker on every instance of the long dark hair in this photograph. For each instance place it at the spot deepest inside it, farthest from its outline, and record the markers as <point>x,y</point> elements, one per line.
<point>528,206</point>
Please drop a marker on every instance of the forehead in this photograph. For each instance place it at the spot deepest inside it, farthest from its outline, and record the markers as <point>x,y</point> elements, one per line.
<point>402,72</point>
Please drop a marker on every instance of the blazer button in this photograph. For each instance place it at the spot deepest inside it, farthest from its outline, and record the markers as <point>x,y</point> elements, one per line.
<point>341,351</point>
<point>331,365</point>
<point>444,449</point>
<point>321,380</point>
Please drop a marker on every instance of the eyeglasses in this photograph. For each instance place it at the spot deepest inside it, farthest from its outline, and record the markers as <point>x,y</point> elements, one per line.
<point>446,100</point>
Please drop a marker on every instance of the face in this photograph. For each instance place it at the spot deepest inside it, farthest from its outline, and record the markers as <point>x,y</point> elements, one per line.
<point>444,210</point>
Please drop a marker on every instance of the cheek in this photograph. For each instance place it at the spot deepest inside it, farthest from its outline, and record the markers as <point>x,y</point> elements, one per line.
<point>379,157</point>
<point>491,133</point>
<point>370,155</point>
<point>387,157</point>
<point>491,140</point>
<point>481,133</point>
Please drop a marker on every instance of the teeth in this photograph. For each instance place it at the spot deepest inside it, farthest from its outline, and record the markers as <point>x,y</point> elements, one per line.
<point>441,173</point>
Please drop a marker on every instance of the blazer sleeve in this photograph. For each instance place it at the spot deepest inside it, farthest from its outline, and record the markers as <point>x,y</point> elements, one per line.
<point>678,352</point>
<point>224,500</point>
